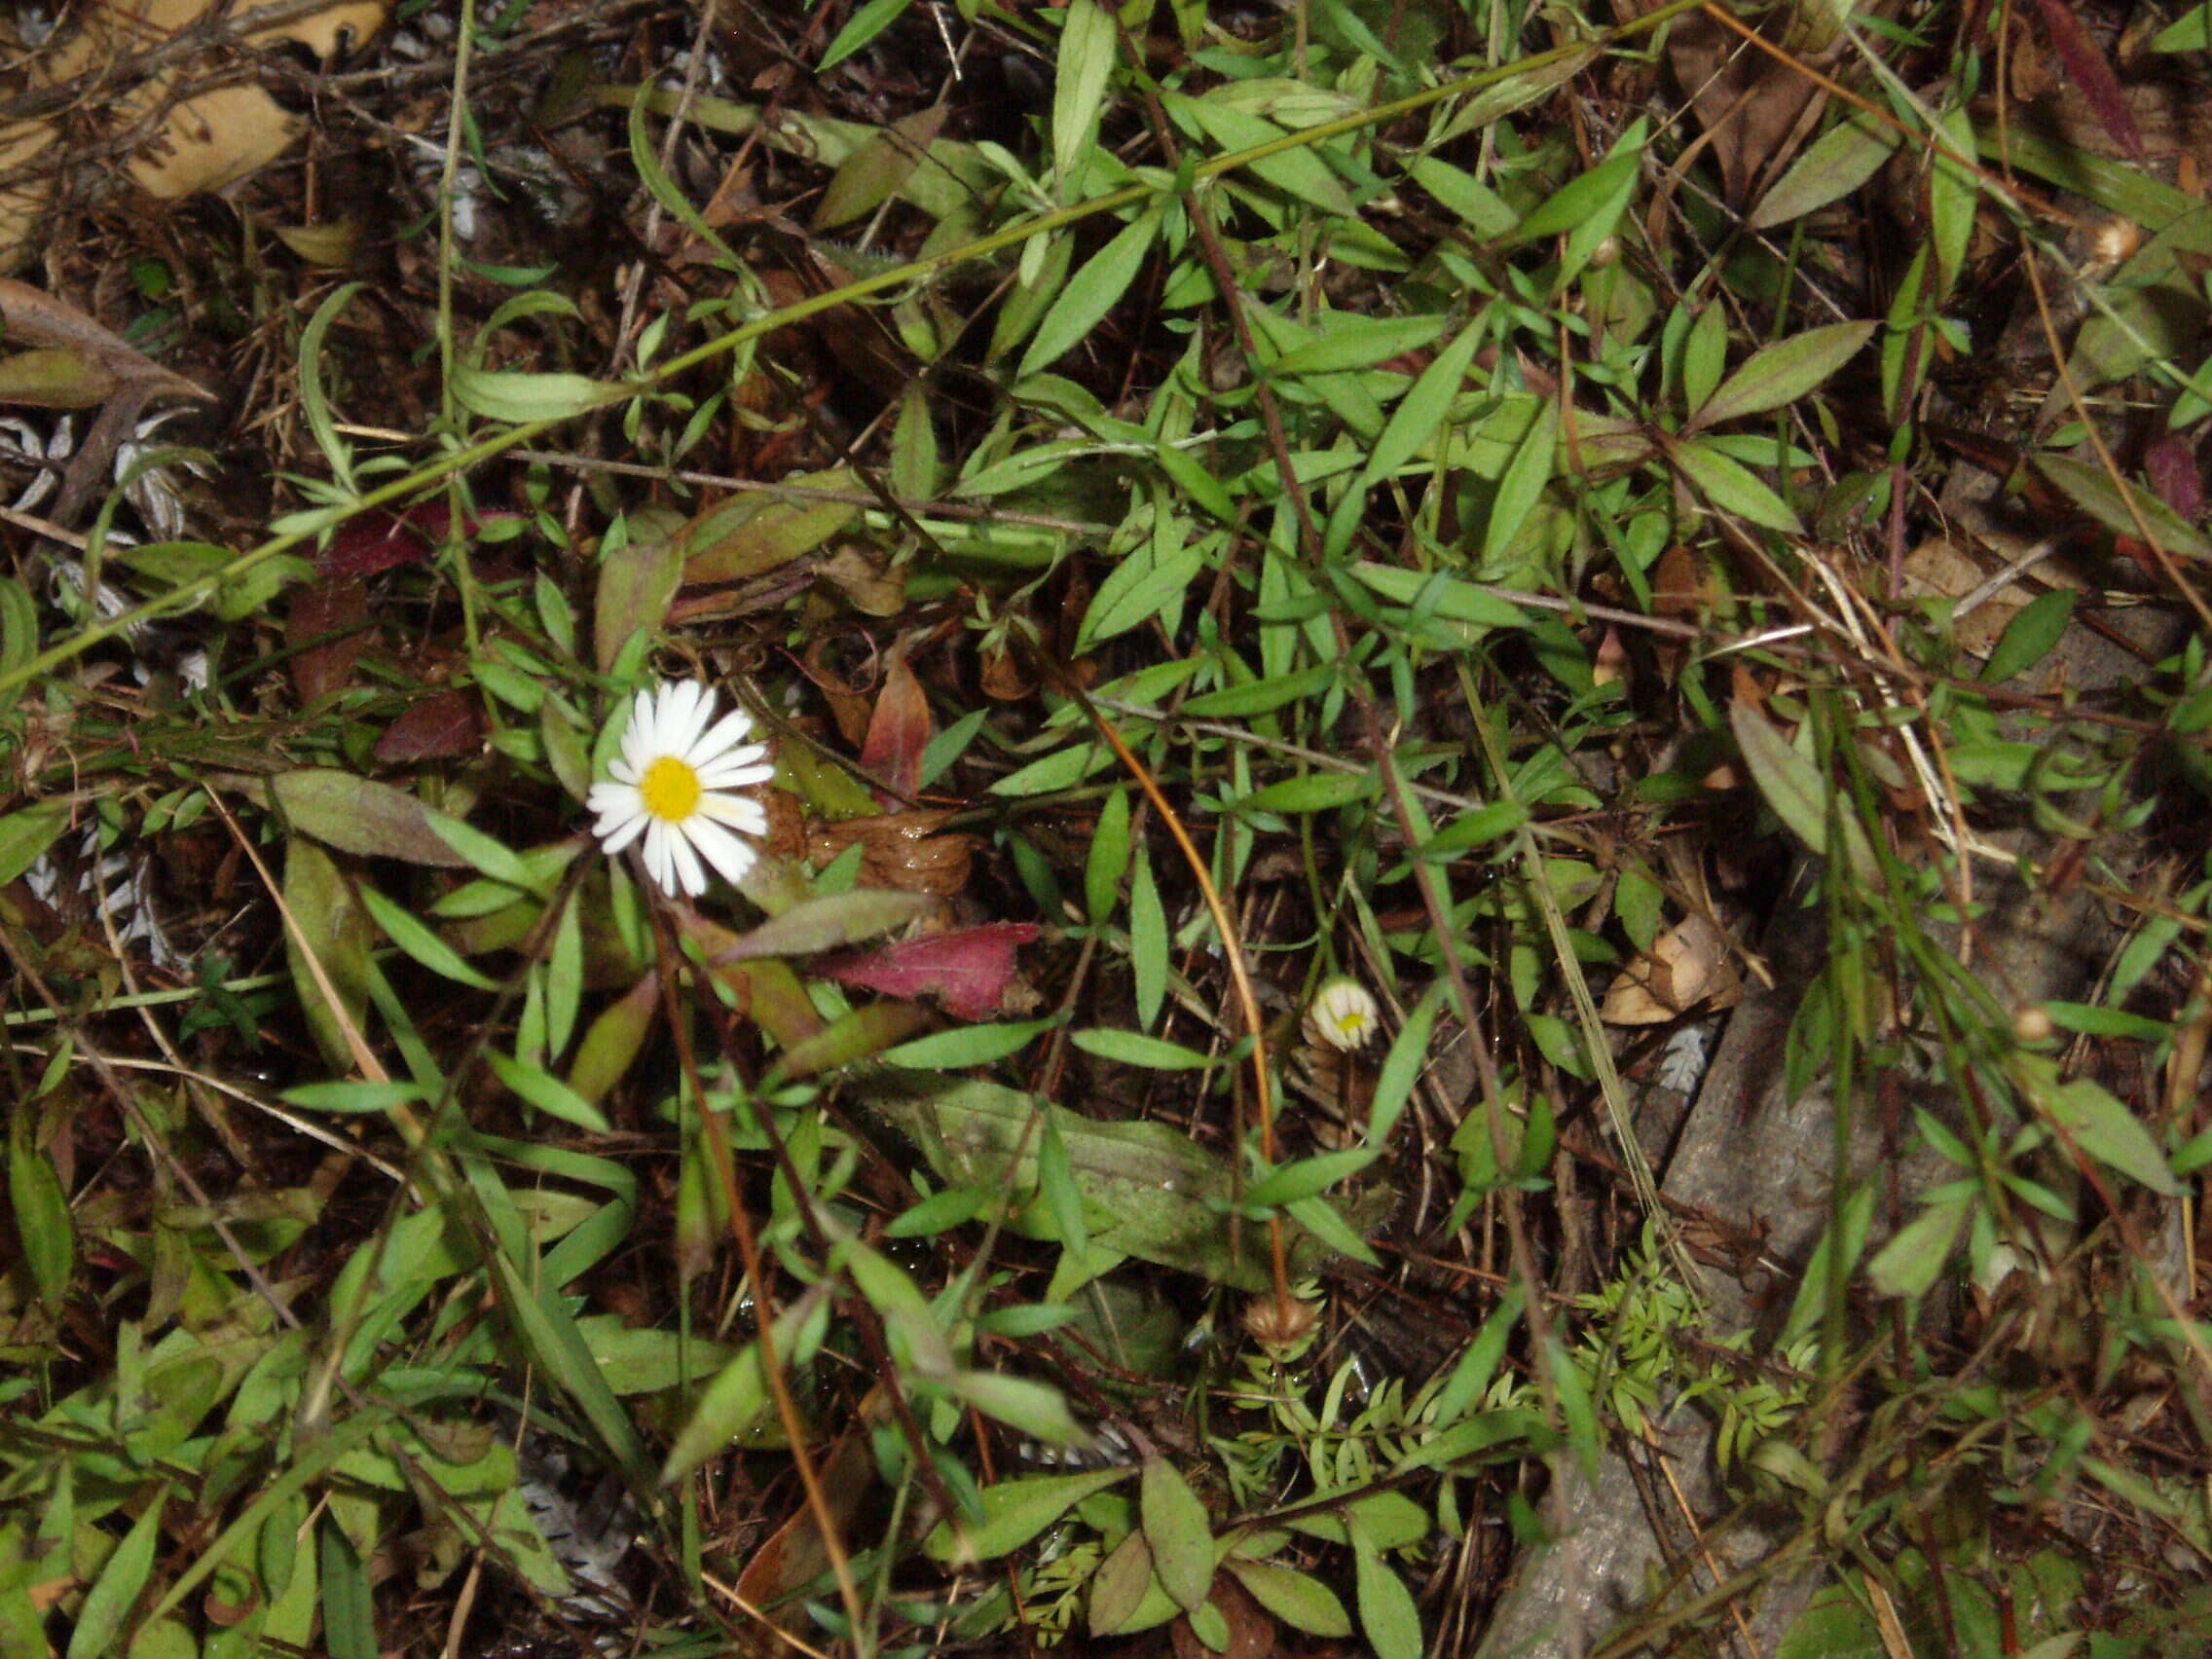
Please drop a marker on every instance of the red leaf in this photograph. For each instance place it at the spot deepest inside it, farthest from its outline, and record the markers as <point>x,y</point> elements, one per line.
<point>967,969</point>
<point>2092,75</point>
<point>370,543</point>
<point>320,611</point>
<point>898,732</point>
<point>2170,464</point>
<point>436,727</point>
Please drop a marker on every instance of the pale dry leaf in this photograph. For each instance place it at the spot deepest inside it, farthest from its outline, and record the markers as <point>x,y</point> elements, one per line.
<point>1686,964</point>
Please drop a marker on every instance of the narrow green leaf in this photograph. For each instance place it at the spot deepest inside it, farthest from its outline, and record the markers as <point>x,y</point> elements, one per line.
<point>1298,1599</point>
<point>1422,410</point>
<point>1014,1512</point>
<point>1134,1049</point>
<point>1796,790</point>
<point>418,940</point>
<point>353,1094</point>
<point>1521,487</point>
<point>101,1621</point>
<point>486,854</point>
<point>1909,1263</point>
<point>1180,1532</point>
<point>349,1610</point>
<point>1784,372</point>
<point>1037,1408</point>
<point>1731,487</point>
<point>2096,1123</point>
<point>358,815</point>
<point>2035,628</point>
<point>826,923</point>
<point>862,27</point>
<point>1316,792</point>
<point>1148,940</point>
<point>1085,64</point>
<point>25,834</point>
<point>1090,293</point>
<point>859,1035</point>
<point>1402,1065</point>
<point>878,170</point>
<point>547,1092</point>
<point>1109,859</point>
<point>1834,166</point>
<point>1349,342</point>
<point>968,1046</point>
<point>44,1229</point>
<point>1386,1609</point>
<point>1307,1178</point>
<point>511,395</point>
<point>732,1407</point>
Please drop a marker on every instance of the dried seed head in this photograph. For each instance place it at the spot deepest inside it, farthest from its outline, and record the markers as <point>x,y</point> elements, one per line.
<point>2031,1023</point>
<point>1279,1327</point>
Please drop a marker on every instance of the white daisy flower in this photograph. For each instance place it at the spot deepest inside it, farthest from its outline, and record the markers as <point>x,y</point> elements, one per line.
<point>672,785</point>
<point>1344,1014</point>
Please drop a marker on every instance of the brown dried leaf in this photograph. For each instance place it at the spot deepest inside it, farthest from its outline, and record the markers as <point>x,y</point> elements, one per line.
<point>1757,110</point>
<point>1686,964</point>
<point>898,732</point>
<point>901,850</point>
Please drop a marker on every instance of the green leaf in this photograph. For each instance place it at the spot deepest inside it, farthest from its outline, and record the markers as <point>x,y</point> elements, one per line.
<point>2096,1123</point>
<point>1316,792</point>
<point>1521,487</point>
<point>356,815</point>
<point>1476,829</point>
<point>969,1045</point>
<point>314,402</point>
<point>1386,1609</point>
<point>1123,1587</point>
<point>2091,489</point>
<point>1135,1048</point>
<point>1298,1599</point>
<point>1014,1512</point>
<point>1307,1178</point>
<point>1090,293</point>
<point>1109,859</point>
<point>1797,792</point>
<point>1180,1532</point>
<point>877,170</point>
<point>353,1094</point>
<point>636,584</point>
<point>1063,769</point>
<point>1422,410</point>
<point>2035,628</point>
<point>547,1092</point>
<point>732,1407</point>
<point>814,925</point>
<point>1443,597</point>
<point>1402,1065</point>
<point>486,854</point>
<point>511,395</point>
<point>862,27</point>
<point>418,940</point>
<point>1952,191</point>
<point>1783,373</point>
<point>1732,487</point>
<point>349,1610</point>
<point>1909,1263</point>
<point>1085,64</point>
<point>44,1229</point>
<point>25,834</point>
<point>859,1035</point>
<point>1148,940</point>
<point>328,925</point>
<point>1834,166</point>
<point>1037,1408</point>
<point>1349,342</point>
<point>107,1612</point>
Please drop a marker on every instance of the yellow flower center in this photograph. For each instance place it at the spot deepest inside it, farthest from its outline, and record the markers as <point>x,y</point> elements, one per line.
<point>670,790</point>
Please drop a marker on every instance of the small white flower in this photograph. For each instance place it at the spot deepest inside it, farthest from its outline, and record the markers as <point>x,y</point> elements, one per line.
<point>1344,1014</point>
<point>672,784</point>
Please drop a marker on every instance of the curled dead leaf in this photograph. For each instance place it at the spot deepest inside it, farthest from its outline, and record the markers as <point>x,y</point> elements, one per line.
<point>1686,964</point>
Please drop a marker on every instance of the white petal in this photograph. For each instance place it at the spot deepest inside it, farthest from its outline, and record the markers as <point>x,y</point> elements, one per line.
<point>621,771</point>
<point>739,812</point>
<point>682,716</point>
<point>725,734</point>
<point>615,833</point>
<point>741,771</point>
<point>724,850</point>
<point>658,864</point>
<point>687,864</point>
<point>619,796</point>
